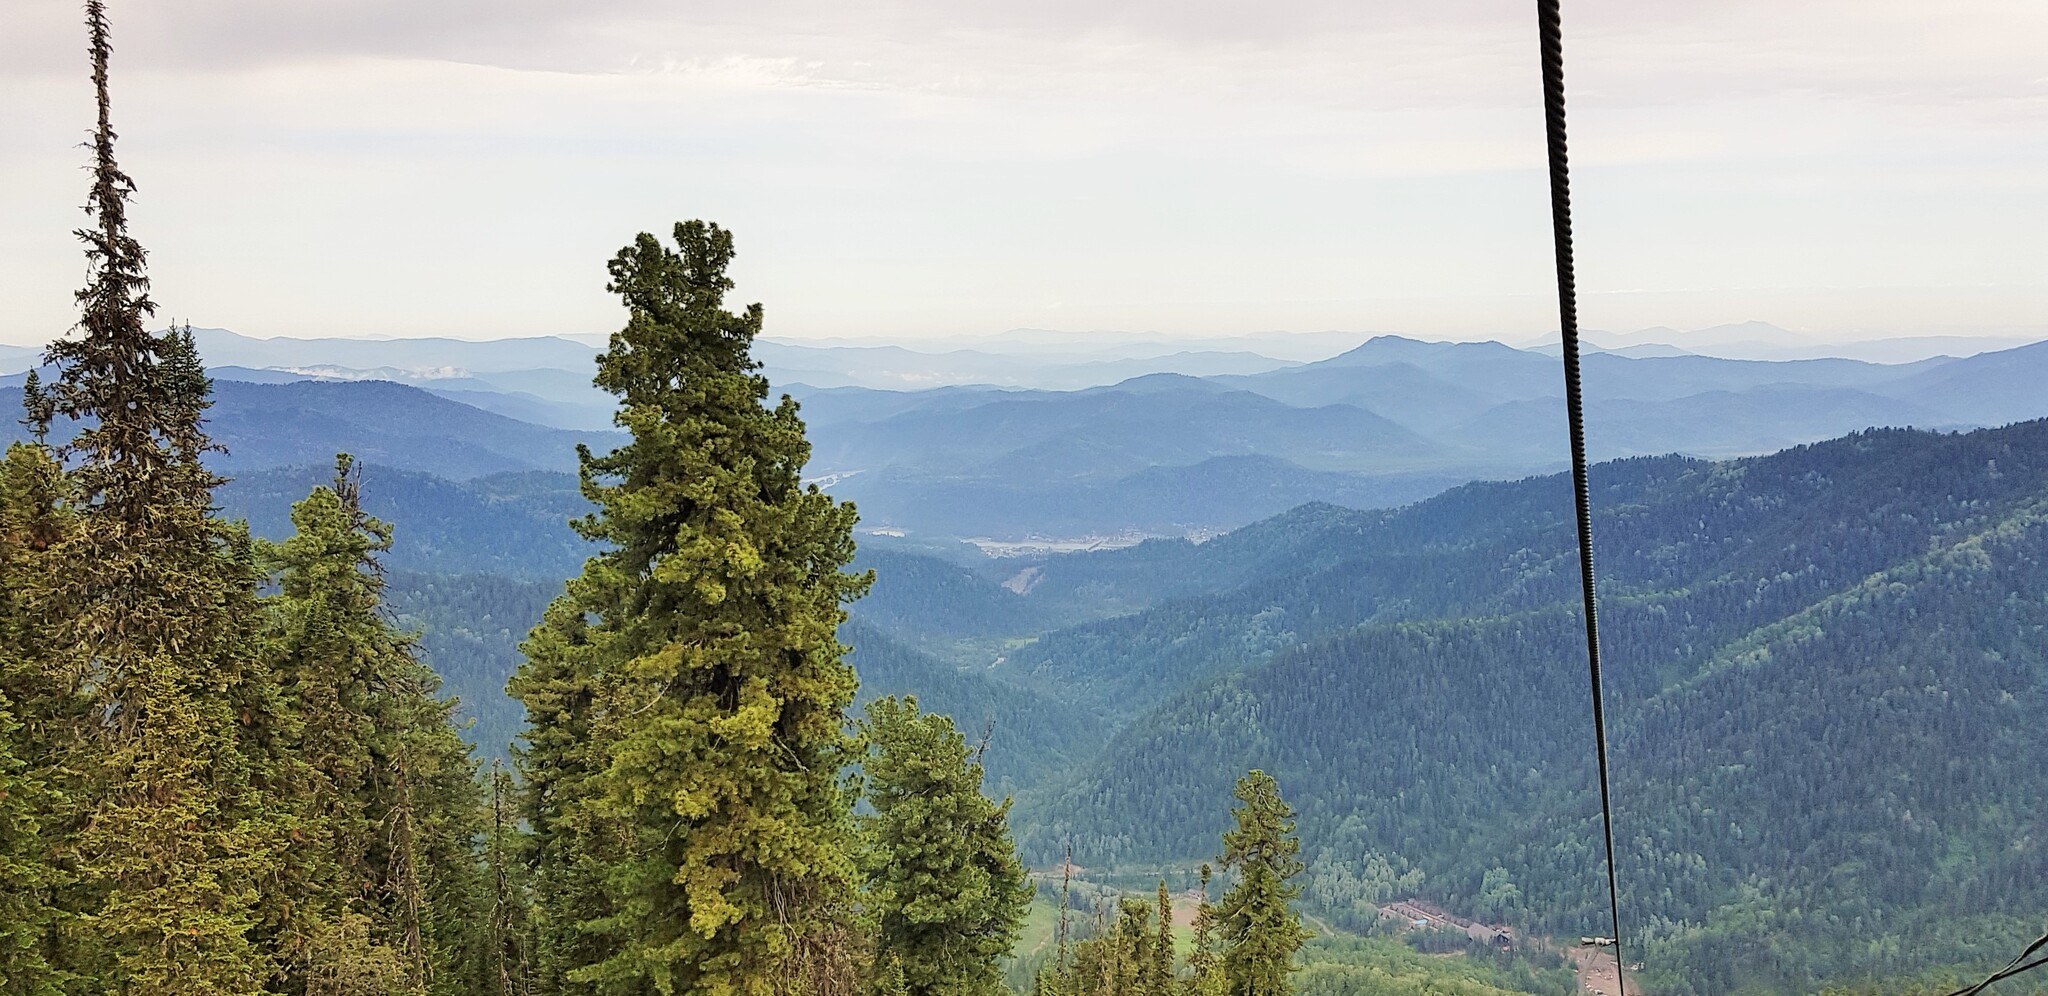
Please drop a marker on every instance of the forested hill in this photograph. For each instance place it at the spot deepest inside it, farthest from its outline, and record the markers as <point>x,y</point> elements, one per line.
<point>1827,668</point>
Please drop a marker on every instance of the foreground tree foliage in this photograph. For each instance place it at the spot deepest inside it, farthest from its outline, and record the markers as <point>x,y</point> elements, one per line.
<point>687,697</point>
<point>31,781</point>
<point>148,602</point>
<point>944,886</point>
<point>225,772</point>
<point>203,790</point>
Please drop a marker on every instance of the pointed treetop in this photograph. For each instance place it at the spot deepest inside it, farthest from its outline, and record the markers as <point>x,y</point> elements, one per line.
<point>137,397</point>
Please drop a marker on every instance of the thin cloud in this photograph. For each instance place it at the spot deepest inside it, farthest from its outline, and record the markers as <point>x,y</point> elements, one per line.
<point>908,167</point>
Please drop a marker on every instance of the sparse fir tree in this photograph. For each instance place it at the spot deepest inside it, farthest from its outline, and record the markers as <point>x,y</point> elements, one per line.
<point>1207,965</point>
<point>386,795</point>
<point>510,916</point>
<point>686,692</point>
<point>1159,978</point>
<point>1256,921</point>
<point>944,885</point>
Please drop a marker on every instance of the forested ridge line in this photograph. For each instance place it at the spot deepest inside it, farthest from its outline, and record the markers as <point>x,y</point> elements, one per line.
<point>1858,624</point>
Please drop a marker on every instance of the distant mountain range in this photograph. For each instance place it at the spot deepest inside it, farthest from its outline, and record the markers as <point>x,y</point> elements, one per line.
<point>1755,340</point>
<point>304,423</point>
<point>1193,442</point>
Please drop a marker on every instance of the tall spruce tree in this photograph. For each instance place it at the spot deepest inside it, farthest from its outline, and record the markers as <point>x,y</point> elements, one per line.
<point>148,602</point>
<point>571,844</point>
<point>1134,942</point>
<point>686,692</point>
<point>944,884</point>
<point>328,645</point>
<point>1256,921</point>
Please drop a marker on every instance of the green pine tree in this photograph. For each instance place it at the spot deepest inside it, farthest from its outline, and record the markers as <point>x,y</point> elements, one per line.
<point>1256,921</point>
<point>149,602</point>
<point>944,885</point>
<point>329,650</point>
<point>686,693</point>
<point>1134,944</point>
<point>570,844</point>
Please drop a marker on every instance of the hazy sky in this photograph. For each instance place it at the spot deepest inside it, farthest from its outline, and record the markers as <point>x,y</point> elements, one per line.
<point>408,167</point>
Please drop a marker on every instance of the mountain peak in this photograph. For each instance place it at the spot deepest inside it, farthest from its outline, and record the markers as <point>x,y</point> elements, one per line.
<point>1399,349</point>
<point>1157,382</point>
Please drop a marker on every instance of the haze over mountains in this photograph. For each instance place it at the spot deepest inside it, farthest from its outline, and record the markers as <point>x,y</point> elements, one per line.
<point>1048,437</point>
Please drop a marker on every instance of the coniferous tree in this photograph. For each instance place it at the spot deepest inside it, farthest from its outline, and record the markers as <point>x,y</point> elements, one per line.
<point>571,842</point>
<point>1208,978</point>
<point>149,601</point>
<point>31,519</point>
<point>1122,957</point>
<point>686,692</point>
<point>1066,902</point>
<point>944,885</point>
<point>433,785</point>
<point>1052,979</point>
<point>505,945</point>
<point>1159,980</point>
<point>383,786</point>
<point>330,649</point>
<point>1256,921</point>
<point>1139,941</point>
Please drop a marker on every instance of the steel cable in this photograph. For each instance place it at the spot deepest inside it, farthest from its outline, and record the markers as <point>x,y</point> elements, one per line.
<point>1552,44</point>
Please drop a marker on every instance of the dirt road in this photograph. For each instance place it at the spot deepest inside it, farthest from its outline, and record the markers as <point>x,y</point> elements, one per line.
<point>1598,972</point>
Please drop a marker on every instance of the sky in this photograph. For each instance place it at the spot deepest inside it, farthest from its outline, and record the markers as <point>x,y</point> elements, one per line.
<point>917,168</point>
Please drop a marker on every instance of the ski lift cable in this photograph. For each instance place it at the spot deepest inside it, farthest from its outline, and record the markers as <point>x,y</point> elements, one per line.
<point>1552,49</point>
<point>2011,969</point>
<point>1552,46</point>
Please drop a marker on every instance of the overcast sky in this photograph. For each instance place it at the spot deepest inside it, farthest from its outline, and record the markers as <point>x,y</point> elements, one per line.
<point>461,167</point>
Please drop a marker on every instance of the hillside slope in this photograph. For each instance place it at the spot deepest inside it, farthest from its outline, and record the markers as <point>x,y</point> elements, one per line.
<point>1859,625</point>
